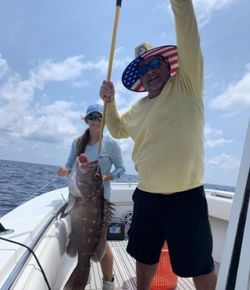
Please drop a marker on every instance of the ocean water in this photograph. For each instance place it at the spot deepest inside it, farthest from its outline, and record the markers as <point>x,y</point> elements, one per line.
<point>20,181</point>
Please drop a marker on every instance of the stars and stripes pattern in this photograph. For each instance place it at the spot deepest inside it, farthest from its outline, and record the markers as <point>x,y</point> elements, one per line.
<point>130,76</point>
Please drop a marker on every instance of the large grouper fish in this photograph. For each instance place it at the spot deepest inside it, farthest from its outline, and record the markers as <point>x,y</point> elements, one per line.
<point>90,214</point>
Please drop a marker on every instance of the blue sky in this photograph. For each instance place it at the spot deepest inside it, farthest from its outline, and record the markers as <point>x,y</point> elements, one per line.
<point>54,56</point>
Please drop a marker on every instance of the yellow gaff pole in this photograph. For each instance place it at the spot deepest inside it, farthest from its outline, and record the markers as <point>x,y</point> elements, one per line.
<point>111,58</point>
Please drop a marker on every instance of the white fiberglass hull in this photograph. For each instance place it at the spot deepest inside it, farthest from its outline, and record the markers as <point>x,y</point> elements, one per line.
<point>30,219</point>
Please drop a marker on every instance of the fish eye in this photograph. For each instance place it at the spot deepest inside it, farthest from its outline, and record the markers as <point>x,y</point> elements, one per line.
<point>97,176</point>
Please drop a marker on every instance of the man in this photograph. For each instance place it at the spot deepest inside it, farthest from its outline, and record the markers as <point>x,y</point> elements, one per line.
<point>167,129</point>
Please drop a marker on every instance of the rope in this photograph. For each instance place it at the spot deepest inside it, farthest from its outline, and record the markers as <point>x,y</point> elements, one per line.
<point>29,249</point>
<point>44,186</point>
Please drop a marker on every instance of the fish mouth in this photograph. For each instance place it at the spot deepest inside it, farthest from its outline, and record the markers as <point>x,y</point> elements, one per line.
<point>88,167</point>
<point>90,172</point>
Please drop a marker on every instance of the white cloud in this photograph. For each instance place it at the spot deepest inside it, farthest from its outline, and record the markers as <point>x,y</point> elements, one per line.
<point>124,98</point>
<point>22,116</point>
<point>4,68</point>
<point>22,91</point>
<point>101,65</point>
<point>236,97</point>
<point>59,108</point>
<point>126,148</point>
<point>41,124</point>
<point>49,70</point>
<point>204,8</point>
<point>17,90</point>
<point>3,143</point>
<point>214,138</point>
<point>48,128</point>
<point>219,142</point>
<point>224,161</point>
<point>80,84</point>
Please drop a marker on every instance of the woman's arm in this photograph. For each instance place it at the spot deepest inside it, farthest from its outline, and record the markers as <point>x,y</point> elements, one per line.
<point>65,171</point>
<point>117,160</point>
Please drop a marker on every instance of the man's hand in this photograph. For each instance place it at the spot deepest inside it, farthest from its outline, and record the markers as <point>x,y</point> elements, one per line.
<point>107,91</point>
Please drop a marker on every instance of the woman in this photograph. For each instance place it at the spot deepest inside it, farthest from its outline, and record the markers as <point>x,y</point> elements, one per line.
<point>110,154</point>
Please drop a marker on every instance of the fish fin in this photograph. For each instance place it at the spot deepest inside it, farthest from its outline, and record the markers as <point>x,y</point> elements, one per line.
<point>61,213</point>
<point>101,247</point>
<point>78,279</point>
<point>108,214</point>
<point>71,247</point>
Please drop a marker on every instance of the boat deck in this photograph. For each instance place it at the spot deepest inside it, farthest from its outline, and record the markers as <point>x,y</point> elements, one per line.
<point>124,270</point>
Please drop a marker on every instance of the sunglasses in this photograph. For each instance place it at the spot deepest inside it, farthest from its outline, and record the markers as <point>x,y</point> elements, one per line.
<point>94,117</point>
<point>153,64</point>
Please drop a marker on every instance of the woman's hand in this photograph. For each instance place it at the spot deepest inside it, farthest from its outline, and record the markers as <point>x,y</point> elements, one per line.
<point>108,177</point>
<point>63,171</point>
<point>107,91</point>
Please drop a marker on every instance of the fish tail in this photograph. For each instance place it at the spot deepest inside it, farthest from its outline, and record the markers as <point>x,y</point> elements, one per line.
<point>78,279</point>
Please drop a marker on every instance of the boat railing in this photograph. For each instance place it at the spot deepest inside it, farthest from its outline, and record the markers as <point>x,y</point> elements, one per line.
<point>220,193</point>
<point>27,253</point>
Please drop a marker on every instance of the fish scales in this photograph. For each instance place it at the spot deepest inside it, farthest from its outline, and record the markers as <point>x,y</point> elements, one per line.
<point>90,215</point>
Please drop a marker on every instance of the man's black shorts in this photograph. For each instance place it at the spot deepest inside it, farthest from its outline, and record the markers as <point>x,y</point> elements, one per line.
<point>182,220</point>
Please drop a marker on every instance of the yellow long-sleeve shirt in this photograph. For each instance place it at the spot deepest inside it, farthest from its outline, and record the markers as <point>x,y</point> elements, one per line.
<point>168,129</point>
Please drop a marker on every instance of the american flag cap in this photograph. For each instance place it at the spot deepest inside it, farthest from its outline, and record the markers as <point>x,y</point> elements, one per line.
<point>130,77</point>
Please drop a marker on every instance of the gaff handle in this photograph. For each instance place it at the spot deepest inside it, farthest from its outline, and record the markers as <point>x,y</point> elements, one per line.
<point>110,64</point>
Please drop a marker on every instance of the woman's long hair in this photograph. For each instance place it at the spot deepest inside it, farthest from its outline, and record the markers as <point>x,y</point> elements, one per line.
<point>82,142</point>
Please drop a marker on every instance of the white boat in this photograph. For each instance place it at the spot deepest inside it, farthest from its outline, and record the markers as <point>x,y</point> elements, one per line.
<point>34,224</point>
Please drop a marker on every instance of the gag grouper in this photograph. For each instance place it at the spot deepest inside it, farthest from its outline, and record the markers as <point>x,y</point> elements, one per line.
<point>89,214</point>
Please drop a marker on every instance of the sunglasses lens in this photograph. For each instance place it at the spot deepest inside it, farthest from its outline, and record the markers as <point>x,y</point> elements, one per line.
<point>142,69</point>
<point>94,117</point>
<point>153,64</point>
